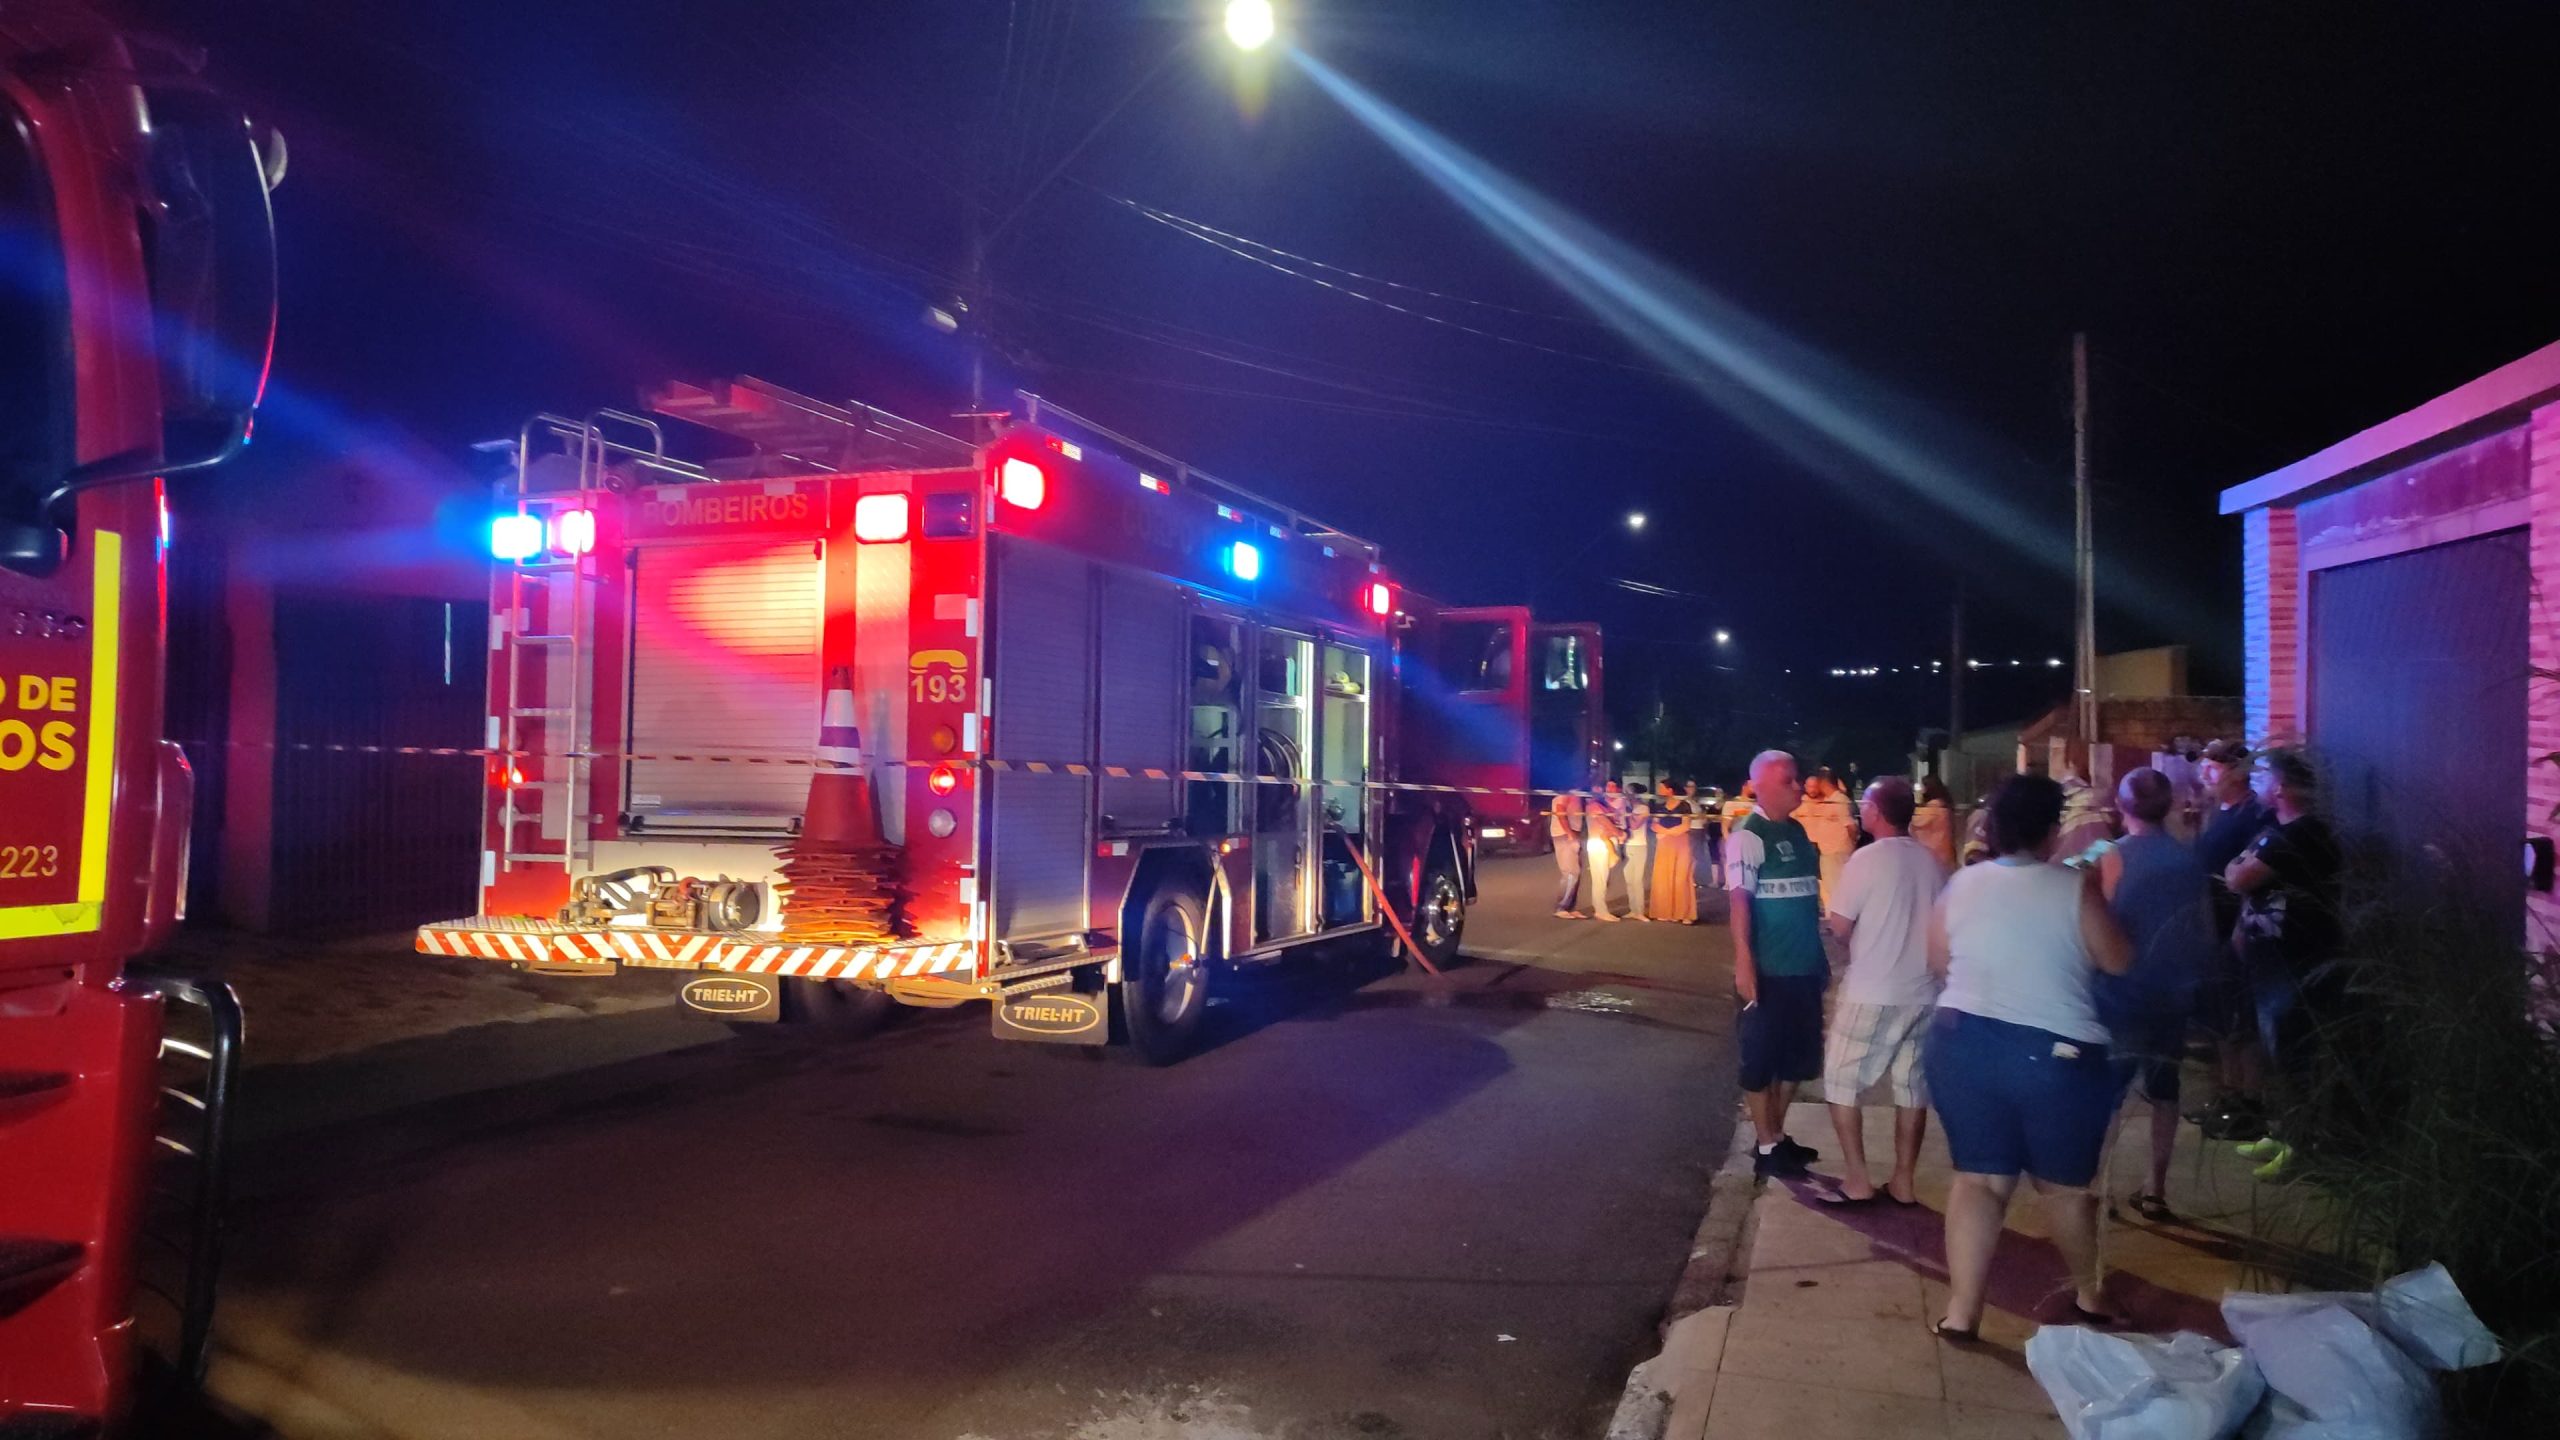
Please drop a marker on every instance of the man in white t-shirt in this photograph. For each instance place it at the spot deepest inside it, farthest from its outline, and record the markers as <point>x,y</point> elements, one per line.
<point>1880,909</point>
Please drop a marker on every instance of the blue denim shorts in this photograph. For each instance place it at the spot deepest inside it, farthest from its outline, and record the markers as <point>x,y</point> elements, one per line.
<point>2015,1099</point>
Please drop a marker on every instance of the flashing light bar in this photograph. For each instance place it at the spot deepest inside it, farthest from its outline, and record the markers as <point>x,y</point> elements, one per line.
<point>879,519</point>
<point>1022,484</point>
<point>1068,448</point>
<point>1244,561</point>
<point>1152,483</point>
<point>516,537</point>
<point>574,532</point>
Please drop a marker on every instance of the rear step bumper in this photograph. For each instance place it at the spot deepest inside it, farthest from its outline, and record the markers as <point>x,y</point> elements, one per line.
<point>539,944</point>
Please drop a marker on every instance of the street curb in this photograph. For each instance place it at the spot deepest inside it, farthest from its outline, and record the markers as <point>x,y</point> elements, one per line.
<point>1713,1278</point>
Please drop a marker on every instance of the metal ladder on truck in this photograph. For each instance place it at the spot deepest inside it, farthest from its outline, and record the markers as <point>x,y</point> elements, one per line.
<point>542,621</point>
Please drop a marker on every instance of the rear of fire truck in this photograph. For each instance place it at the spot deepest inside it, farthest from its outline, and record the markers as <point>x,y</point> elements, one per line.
<point>857,714</point>
<point>137,278</point>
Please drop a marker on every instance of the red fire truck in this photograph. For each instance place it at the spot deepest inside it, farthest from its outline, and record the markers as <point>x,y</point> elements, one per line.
<point>1089,723</point>
<point>137,301</point>
<point>1514,708</point>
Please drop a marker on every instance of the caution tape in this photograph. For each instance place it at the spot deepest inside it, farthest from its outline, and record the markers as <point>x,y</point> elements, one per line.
<point>815,762</point>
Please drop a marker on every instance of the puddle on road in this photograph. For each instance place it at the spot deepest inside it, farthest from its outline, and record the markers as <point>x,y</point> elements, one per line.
<point>1596,1002</point>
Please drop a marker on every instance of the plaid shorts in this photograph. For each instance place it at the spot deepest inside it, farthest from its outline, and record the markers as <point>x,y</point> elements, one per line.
<point>1871,1044</point>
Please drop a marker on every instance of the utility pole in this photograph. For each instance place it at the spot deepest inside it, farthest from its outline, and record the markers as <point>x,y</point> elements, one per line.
<point>1947,776</point>
<point>2084,554</point>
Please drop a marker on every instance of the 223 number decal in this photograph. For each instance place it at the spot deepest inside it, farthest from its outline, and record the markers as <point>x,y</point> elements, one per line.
<point>30,862</point>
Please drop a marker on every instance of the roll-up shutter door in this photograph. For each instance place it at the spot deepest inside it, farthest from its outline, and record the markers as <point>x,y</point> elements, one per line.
<point>1040,656</point>
<point>2416,659</point>
<point>1142,684</point>
<point>724,661</point>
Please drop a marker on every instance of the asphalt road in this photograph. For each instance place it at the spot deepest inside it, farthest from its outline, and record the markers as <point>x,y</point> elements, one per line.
<point>1404,1208</point>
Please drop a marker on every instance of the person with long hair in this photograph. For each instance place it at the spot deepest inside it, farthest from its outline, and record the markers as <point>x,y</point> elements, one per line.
<point>1674,886</point>
<point>2017,1061</point>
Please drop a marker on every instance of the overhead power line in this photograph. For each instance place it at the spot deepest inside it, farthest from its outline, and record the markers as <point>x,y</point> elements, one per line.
<point>1221,241</point>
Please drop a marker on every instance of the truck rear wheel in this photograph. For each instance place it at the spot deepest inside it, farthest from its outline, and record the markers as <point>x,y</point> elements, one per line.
<point>1164,985</point>
<point>844,1009</point>
<point>1440,916</point>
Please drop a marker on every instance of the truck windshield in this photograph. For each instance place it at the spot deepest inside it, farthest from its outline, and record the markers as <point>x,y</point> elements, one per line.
<point>35,332</point>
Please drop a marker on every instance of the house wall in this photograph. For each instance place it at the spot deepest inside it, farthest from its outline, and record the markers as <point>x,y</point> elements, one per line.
<point>2500,476</point>
<point>2542,708</point>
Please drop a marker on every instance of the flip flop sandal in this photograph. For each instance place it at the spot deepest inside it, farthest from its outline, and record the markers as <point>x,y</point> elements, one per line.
<point>2095,1320</point>
<point>2154,1209</point>
<point>1955,1334</point>
<point>1837,1201</point>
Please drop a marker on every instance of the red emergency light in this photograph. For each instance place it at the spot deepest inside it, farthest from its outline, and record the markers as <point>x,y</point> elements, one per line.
<point>878,519</point>
<point>1382,599</point>
<point>942,779</point>
<point>1022,483</point>
<point>573,532</point>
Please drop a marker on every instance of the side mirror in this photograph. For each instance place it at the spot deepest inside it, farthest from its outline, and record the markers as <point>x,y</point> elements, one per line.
<point>213,271</point>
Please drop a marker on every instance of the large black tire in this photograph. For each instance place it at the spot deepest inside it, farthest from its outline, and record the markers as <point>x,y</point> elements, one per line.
<point>1440,916</point>
<point>1164,977</point>
<point>840,1008</point>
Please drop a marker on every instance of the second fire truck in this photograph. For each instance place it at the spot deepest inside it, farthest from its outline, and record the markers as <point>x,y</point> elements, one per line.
<point>1090,724</point>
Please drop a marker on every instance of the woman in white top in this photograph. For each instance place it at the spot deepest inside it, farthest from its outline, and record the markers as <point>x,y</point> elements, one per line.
<point>2017,1059</point>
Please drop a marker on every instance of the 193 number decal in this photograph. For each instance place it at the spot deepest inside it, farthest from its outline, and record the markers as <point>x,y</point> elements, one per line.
<point>30,862</point>
<point>940,688</point>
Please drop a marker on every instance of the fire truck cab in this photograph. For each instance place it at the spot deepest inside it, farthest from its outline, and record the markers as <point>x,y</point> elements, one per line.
<point>1509,707</point>
<point>1088,724</point>
<point>135,320</point>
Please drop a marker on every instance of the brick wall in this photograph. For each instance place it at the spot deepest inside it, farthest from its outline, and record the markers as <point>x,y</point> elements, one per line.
<point>2271,618</point>
<point>2542,712</point>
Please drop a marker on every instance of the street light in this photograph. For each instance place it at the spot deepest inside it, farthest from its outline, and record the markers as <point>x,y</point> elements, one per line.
<point>1250,23</point>
<point>1724,637</point>
<point>1635,520</point>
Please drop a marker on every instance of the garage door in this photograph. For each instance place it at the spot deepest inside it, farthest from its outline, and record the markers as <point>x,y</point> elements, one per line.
<point>724,661</point>
<point>2418,714</point>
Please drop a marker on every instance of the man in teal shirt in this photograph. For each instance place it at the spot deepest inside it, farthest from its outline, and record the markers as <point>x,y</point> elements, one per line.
<point>1774,876</point>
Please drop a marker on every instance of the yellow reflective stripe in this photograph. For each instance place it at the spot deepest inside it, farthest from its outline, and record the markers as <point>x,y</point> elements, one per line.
<point>106,610</point>
<point>25,922</point>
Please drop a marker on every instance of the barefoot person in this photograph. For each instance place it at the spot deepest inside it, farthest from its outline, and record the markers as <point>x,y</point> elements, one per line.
<point>2017,1059</point>
<point>1880,910</point>
<point>1779,971</point>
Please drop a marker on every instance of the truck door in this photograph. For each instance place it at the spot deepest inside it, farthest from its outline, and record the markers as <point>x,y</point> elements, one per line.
<point>724,661</point>
<point>1283,809</point>
<point>1567,731</point>
<point>1469,714</point>
<point>1344,743</point>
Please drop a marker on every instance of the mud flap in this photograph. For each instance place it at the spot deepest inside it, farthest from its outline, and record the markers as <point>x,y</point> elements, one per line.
<point>733,996</point>
<point>1060,1017</point>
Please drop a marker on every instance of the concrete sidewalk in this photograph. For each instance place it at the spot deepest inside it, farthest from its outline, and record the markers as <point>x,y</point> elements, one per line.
<point>1825,1333</point>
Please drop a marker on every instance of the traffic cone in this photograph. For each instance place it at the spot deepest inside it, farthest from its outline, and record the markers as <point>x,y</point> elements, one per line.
<point>840,878</point>
<point>840,806</point>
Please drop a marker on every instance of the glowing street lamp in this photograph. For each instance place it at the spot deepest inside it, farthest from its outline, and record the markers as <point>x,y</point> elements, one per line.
<point>1635,520</point>
<point>1251,23</point>
<point>1724,637</point>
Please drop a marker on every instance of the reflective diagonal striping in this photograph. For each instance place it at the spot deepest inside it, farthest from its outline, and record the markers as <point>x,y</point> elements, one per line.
<point>488,938</point>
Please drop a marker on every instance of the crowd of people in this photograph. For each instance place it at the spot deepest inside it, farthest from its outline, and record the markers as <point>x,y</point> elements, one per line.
<point>2022,989</point>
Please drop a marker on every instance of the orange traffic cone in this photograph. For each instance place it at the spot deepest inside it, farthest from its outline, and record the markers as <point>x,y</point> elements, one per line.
<point>840,807</point>
<point>839,878</point>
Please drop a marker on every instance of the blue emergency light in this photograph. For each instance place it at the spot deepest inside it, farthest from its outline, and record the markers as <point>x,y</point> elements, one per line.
<point>1244,562</point>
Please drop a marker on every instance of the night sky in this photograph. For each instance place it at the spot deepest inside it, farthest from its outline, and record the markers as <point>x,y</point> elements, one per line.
<point>2279,223</point>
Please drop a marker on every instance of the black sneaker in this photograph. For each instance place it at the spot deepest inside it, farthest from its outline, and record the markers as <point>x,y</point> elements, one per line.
<point>1776,1161</point>
<point>1805,1154</point>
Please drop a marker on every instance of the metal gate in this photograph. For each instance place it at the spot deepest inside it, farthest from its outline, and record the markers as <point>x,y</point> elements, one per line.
<point>375,841</point>
<point>2418,680</point>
